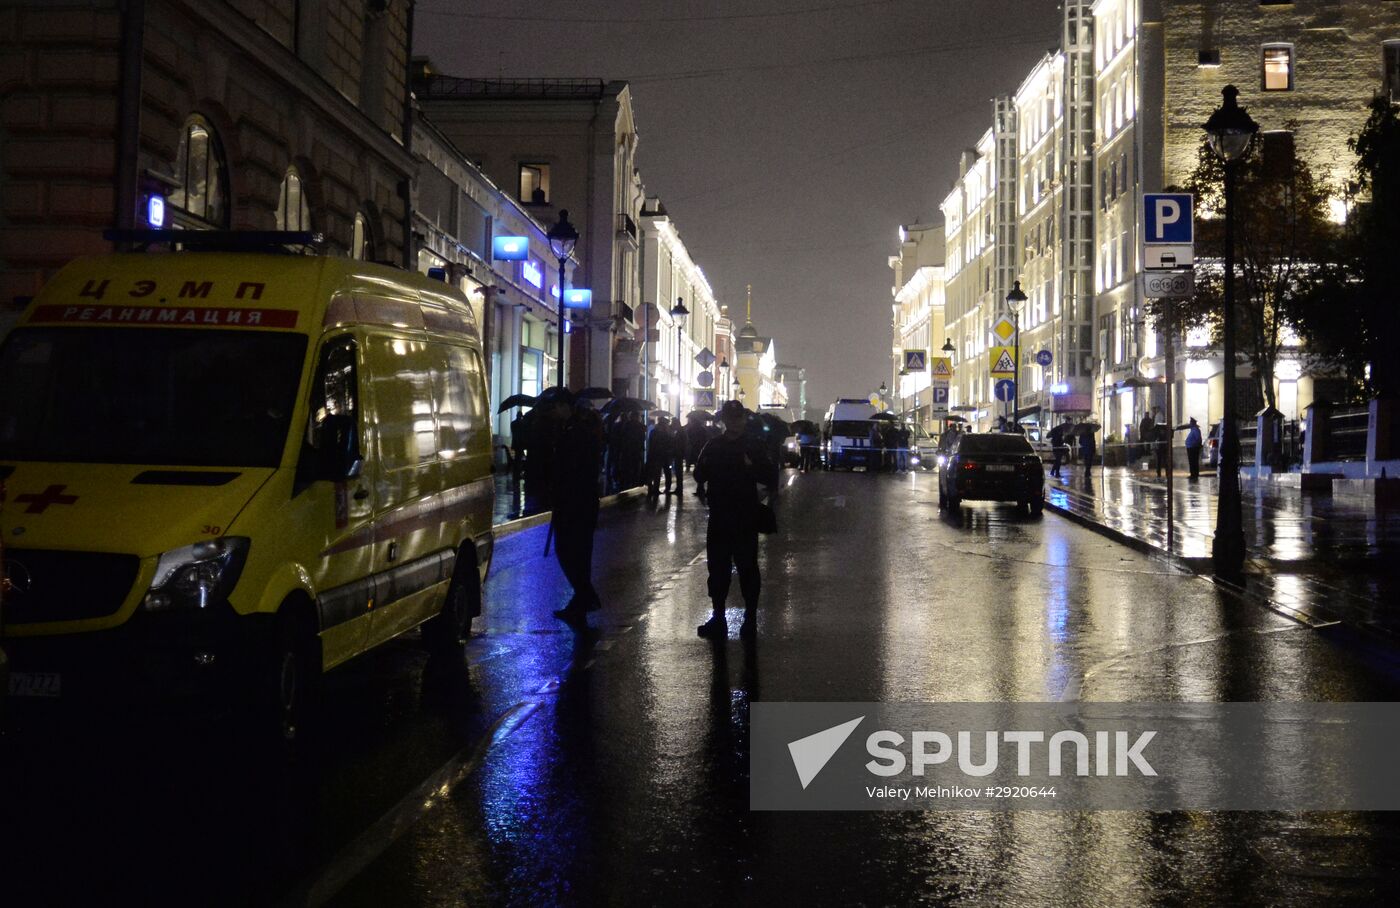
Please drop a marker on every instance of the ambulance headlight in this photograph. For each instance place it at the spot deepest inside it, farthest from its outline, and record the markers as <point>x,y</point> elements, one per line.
<point>194,576</point>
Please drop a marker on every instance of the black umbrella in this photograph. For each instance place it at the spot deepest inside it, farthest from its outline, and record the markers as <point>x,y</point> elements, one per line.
<point>594,394</point>
<point>886,417</point>
<point>556,394</point>
<point>774,424</point>
<point>516,400</point>
<point>1086,428</point>
<point>804,427</point>
<point>703,415</point>
<point>627,405</point>
<point>954,419</point>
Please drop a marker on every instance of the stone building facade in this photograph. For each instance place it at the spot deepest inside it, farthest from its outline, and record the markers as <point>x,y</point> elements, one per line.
<point>918,306</point>
<point>1305,71</point>
<point>670,367</point>
<point>458,213</point>
<point>239,114</point>
<point>562,144</point>
<point>1115,112</point>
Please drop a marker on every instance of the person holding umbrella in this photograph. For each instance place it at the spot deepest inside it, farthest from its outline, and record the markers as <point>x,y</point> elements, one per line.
<point>1088,447</point>
<point>574,498</point>
<point>730,468</point>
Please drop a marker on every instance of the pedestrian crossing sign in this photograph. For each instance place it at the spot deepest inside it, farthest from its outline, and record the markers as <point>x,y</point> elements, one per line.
<point>915,360</point>
<point>704,398</point>
<point>1002,362</point>
<point>1003,328</point>
<point>942,367</point>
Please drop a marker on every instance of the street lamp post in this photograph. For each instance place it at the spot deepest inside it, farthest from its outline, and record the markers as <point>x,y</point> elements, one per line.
<point>724,367</point>
<point>678,312</point>
<point>562,239</point>
<point>1230,131</point>
<point>1015,300</point>
<point>949,349</point>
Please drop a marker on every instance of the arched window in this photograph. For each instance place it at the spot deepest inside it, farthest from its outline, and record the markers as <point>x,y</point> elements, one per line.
<point>293,210</point>
<point>361,239</point>
<point>201,198</point>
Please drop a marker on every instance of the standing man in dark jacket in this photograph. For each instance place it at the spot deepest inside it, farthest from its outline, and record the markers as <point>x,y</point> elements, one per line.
<point>729,469</point>
<point>1088,448</point>
<point>661,456</point>
<point>577,460</point>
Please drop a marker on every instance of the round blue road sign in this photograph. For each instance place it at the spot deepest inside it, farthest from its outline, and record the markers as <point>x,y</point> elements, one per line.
<point>1005,390</point>
<point>1044,357</point>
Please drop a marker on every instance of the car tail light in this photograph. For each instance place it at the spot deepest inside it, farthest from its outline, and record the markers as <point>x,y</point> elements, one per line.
<point>969,464</point>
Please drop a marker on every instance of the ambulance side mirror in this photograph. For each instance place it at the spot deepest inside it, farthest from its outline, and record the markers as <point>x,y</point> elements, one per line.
<point>340,448</point>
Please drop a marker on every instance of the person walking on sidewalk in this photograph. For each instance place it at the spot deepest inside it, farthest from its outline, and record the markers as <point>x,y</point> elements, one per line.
<point>1058,446</point>
<point>1088,448</point>
<point>730,468</point>
<point>574,499</point>
<point>1193,447</point>
<point>661,456</point>
<point>1147,435</point>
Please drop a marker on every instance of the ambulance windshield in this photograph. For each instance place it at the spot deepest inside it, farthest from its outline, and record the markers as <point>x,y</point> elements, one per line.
<point>159,396</point>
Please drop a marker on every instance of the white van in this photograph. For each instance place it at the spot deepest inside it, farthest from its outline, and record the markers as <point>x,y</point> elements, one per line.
<point>846,434</point>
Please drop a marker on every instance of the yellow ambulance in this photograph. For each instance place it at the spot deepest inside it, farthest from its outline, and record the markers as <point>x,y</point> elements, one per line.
<point>238,466</point>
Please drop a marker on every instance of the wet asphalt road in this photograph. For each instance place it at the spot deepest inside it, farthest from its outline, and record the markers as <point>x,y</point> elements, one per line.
<point>613,769</point>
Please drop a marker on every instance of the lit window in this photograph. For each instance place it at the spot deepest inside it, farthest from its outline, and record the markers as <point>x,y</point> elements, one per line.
<point>293,210</point>
<point>200,170</point>
<point>360,245</point>
<point>1278,67</point>
<point>534,184</point>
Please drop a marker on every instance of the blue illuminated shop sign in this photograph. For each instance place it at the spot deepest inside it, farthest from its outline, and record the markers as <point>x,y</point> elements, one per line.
<point>510,249</point>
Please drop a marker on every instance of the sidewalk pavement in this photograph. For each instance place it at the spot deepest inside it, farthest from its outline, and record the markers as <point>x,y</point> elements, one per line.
<point>1312,555</point>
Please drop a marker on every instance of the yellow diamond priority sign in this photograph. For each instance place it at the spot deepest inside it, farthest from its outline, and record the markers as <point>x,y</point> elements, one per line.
<point>1003,328</point>
<point>1001,362</point>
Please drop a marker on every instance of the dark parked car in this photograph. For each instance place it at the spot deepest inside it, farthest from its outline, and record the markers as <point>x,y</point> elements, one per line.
<point>992,466</point>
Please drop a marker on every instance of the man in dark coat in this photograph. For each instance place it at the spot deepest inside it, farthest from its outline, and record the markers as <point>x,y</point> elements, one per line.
<point>661,455</point>
<point>1088,448</point>
<point>730,468</point>
<point>634,443</point>
<point>574,496</point>
<point>1058,446</point>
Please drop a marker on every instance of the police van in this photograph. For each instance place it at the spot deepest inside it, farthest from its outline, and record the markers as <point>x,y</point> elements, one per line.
<point>239,467</point>
<point>846,435</point>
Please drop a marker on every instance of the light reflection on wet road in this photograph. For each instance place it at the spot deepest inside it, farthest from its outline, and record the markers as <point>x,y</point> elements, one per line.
<point>627,783</point>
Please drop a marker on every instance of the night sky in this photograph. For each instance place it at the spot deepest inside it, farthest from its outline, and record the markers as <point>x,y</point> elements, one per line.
<point>788,138</point>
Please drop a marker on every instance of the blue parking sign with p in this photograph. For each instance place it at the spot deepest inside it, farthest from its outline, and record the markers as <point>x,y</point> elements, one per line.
<point>1167,217</point>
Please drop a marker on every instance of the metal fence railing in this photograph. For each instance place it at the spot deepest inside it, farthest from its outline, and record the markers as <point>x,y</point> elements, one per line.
<point>1346,433</point>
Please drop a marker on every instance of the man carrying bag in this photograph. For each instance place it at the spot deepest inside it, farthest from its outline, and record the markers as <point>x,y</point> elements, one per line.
<point>729,469</point>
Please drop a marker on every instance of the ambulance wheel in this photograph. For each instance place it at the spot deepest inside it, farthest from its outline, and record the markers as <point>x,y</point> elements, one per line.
<point>289,676</point>
<point>446,632</point>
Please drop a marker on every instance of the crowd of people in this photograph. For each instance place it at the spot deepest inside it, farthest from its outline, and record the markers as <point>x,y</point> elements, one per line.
<point>892,440</point>
<point>568,454</point>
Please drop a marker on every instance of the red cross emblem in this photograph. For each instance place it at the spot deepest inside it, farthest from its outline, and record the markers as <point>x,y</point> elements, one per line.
<point>39,501</point>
